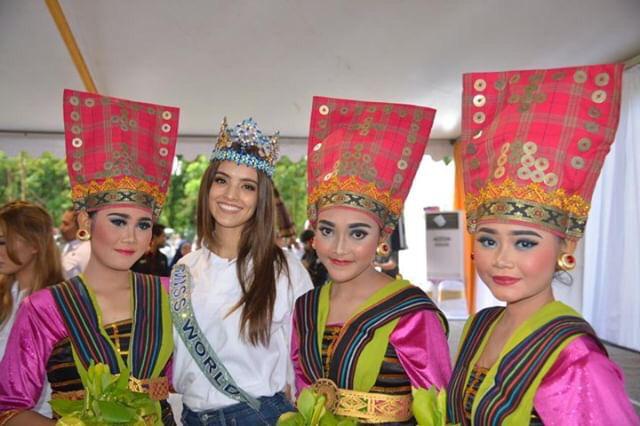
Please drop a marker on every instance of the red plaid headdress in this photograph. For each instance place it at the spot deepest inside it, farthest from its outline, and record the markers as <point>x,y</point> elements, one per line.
<point>364,155</point>
<point>534,142</point>
<point>119,152</point>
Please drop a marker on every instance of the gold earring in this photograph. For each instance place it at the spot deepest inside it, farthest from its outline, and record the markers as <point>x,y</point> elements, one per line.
<point>383,250</point>
<point>566,262</point>
<point>83,235</point>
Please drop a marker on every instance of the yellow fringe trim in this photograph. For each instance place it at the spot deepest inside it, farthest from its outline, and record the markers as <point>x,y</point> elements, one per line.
<point>354,184</point>
<point>573,204</point>
<point>81,191</point>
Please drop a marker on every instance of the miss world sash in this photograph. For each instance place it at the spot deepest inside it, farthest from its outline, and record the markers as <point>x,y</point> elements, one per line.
<point>201,351</point>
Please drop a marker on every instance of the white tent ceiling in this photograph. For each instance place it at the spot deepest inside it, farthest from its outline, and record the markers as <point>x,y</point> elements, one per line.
<point>267,58</point>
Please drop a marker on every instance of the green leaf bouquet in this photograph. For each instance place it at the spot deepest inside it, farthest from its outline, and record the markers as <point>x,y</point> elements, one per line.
<point>429,407</point>
<point>312,412</point>
<point>108,401</point>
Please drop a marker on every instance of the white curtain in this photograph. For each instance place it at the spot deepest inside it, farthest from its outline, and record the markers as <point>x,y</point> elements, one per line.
<point>612,240</point>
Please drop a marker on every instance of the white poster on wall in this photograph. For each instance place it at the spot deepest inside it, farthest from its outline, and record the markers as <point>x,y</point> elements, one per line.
<point>444,246</point>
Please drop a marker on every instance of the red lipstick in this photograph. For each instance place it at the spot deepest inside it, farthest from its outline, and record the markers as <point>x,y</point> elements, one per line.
<point>504,280</point>
<point>126,252</point>
<point>339,262</point>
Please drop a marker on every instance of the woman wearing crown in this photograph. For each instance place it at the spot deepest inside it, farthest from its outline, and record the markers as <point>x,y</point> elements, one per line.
<point>119,155</point>
<point>232,299</point>
<point>533,145</point>
<point>364,339</point>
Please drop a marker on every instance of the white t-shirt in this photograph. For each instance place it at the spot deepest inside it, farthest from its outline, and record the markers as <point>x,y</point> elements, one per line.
<point>75,256</point>
<point>258,370</point>
<point>42,406</point>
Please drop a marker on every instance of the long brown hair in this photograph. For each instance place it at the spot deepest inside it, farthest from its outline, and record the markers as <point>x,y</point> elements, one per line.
<point>258,245</point>
<point>32,223</point>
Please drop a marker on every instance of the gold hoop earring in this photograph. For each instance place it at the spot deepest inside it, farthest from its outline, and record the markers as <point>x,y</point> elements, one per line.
<point>383,250</point>
<point>83,235</point>
<point>566,262</point>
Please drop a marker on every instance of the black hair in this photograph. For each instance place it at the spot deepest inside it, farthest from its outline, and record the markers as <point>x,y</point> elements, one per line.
<point>307,235</point>
<point>157,229</point>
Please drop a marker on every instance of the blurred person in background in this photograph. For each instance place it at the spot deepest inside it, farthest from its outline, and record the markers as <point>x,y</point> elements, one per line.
<point>75,253</point>
<point>154,262</point>
<point>29,261</point>
<point>184,248</point>
<point>310,260</point>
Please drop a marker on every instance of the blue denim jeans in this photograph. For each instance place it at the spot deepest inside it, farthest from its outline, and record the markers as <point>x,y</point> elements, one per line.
<point>241,414</point>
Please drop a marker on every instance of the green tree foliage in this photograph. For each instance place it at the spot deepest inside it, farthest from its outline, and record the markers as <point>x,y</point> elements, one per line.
<point>182,200</point>
<point>42,180</point>
<point>290,178</point>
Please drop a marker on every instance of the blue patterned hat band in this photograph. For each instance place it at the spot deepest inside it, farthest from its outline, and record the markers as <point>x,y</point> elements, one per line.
<point>245,144</point>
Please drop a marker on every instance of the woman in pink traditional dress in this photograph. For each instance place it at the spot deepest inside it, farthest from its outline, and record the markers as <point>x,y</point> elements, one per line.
<point>119,155</point>
<point>29,261</point>
<point>364,339</point>
<point>533,145</point>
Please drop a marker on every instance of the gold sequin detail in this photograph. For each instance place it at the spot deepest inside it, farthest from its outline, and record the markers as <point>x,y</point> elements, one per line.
<point>537,176</point>
<point>580,76</point>
<point>551,179</point>
<point>599,96</point>
<point>584,144</point>
<point>479,100</point>
<point>594,112</point>
<point>590,126</point>
<point>577,163</point>
<point>527,160</point>
<point>602,79</point>
<point>480,84</point>
<point>479,117</point>
<point>524,173</point>
<point>514,98</point>
<point>542,164</point>
<point>530,148</point>
<point>324,110</point>
<point>500,84</point>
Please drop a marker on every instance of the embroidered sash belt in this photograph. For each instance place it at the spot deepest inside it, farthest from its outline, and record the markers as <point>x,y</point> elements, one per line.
<point>157,388</point>
<point>364,406</point>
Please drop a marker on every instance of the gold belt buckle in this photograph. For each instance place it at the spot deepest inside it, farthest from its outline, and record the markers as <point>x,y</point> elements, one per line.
<point>329,390</point>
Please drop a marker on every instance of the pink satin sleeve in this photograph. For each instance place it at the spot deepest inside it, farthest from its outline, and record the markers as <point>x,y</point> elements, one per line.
<point>37,328</point>
<point>300,379</point>
<point>422,348</point>
<point>166,283</point>
<point>584,387</point>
